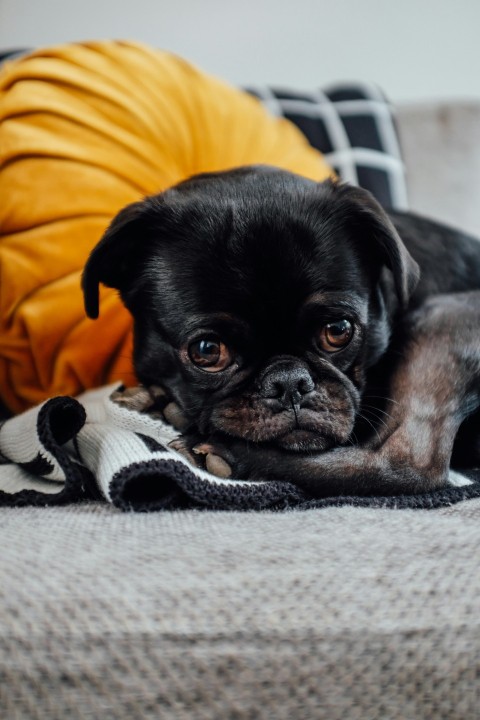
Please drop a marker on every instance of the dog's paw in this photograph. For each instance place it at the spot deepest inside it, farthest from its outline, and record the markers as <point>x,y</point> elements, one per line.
<point>222,457</point>
<point>154,401</point>
<point>136,398</point>
<point>215,458</point>
<point>183,447</point>
<point>232,457</point>
<point>205,454</point>
<point>174,416</point>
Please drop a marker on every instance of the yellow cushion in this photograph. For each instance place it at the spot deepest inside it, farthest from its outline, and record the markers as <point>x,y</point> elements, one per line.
<point>86,129</point>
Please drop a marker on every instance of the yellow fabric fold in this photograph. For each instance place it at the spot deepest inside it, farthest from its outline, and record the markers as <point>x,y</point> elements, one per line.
<point>84,130</point>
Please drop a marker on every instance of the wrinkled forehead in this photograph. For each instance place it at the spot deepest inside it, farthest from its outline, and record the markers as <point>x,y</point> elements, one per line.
<point>263,275</point>
<point>352,305</point>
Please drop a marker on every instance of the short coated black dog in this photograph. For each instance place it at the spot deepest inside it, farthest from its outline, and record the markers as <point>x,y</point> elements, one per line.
<point>303,332</point>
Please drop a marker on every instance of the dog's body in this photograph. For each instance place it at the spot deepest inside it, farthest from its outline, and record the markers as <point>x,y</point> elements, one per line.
<point>273,308</point>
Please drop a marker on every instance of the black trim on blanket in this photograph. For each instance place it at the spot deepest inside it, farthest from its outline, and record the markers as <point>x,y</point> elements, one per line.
<point>151,485</point>
<point>3,460</point>
<point>58,421</point>
<point>165,484</point>
<point>150,443</point>
<point>40,465</point>
<point>428,501</point>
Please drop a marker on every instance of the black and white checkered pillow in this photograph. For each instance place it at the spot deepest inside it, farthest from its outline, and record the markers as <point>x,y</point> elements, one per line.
<point>353,126</point>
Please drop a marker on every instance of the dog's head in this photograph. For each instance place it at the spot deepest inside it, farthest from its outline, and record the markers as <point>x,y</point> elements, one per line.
<point>259,299</point>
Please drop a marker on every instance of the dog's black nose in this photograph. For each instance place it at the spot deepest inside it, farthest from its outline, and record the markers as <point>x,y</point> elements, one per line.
<point>286,383</point>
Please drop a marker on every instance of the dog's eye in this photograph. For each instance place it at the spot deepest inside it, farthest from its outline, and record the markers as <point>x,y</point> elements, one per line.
<point>335,335</point>
<point>209,354</point>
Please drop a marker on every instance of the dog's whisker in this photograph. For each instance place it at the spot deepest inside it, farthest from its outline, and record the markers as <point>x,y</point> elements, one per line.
<point>376,412</point>
<point>352,440</point>
<point>381,397</point>
<point>376,419</point>
<point>374,408</point>
<point>363,417</point>
<point>379,424</point>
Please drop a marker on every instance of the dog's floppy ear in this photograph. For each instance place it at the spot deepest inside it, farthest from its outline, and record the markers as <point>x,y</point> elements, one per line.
<point>111,259</point>
<point>367,217</point>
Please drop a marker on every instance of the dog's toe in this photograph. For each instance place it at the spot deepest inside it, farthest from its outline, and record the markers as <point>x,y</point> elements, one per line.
<point>214,462</point>
<point>218,466</point>
<point>182,447</point>
<point>174,415</point>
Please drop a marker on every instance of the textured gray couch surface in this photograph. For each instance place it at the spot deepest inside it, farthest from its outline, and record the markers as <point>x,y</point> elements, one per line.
<point>338,613</point>
<point>335,613</point>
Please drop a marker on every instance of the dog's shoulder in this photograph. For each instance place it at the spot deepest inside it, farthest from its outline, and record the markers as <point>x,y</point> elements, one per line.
<point>449,259</point>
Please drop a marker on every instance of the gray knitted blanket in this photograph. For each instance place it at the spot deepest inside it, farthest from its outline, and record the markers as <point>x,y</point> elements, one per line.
<point>113,444</point>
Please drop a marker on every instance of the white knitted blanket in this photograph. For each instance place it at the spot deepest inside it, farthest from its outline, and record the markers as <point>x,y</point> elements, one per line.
<point>71,449</point>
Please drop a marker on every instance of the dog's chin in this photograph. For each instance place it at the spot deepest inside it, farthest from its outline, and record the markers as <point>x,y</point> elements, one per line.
<point>300,440</point>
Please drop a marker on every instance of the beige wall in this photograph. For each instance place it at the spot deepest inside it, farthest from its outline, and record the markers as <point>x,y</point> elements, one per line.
<point>413,48</point>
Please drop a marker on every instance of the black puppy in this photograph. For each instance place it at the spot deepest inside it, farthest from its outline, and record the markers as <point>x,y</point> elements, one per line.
<point>272,308</point>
